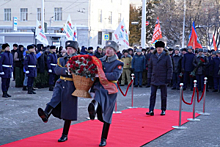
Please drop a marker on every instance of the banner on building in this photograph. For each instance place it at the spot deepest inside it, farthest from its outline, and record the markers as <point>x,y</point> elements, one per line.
<point>121,34</point>
<point>68,28</point>
<point>157,32</point>
<point>40,35</point>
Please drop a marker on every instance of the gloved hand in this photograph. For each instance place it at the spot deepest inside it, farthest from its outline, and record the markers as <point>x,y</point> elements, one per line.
<point>2,73</point>
<point>50,71</point>
<point>168,81</point>
<point>27,72</point>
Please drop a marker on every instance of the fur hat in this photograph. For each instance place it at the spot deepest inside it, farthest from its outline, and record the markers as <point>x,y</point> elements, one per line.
<point>30,46</point>
<point>160,44</point>
<point>112,44</point>
<point>52,47</point>
<point>5,45</point>
<point>73,44</point>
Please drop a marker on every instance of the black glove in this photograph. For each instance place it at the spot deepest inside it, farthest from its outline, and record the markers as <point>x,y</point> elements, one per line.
<point>168,81</point>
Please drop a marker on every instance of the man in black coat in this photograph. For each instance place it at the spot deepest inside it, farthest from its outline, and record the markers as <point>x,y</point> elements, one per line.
<point>176,59</point>
<point>160,71</point>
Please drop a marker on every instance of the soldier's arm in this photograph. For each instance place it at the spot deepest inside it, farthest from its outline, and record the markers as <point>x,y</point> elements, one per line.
<point>116,73</point>
<point>1,61</point>
<point>194,61</point>
<point>60,70</point>
<point>26,60</point>
<point>48,62</point>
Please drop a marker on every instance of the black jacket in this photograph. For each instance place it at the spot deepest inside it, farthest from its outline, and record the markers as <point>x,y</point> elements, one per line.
<point>176,60</point>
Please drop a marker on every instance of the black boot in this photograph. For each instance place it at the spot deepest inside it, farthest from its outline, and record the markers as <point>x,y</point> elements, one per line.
<point>5,94</point>
<point>50,88</point>
<point>92,108</point>
<point>30,90</point>
<point>66,128</point>
<point>8,94</point>
<point>104,134</point>
<point>44,115</point>
<point>24,88</point>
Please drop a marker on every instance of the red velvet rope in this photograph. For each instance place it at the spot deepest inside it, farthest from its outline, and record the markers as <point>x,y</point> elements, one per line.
<point>126,89</point>
<point>194,90</point>
<point>198,100</point>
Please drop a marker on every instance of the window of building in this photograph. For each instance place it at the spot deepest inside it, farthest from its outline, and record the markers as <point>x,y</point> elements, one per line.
<point>7,14</point>
<point>100,15</point>
<point>23,30</point>
<point>99,38</point>
<point>110,35</point>
<point>110,18</point>
<point>58,14</point>
<point>119,17</point>
<point>39,14</point>
<point>7,30</point>
<point>24,14</point>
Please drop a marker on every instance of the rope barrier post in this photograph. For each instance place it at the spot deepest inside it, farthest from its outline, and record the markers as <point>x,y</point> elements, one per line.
<point>204,113</point>
<point>180,109</point>
<point>116,108</point>
<point>194,105</point>
<point>132,92</point>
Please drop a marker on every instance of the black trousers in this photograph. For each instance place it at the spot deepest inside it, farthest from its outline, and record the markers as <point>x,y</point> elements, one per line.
<point>30,81</point>
<point>163,89</point>
<point>5,84</point>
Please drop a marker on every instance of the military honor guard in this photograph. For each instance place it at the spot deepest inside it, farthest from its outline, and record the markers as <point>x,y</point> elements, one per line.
<point>104,103</point>
<point>30,65</point>
<point>6,69</point>
<point>51,64</point>
<point>62,104</point>
<point>160,71</point>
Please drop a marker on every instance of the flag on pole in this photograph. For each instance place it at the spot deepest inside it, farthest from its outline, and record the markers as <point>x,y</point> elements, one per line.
<point>40,35</point>
<point>193,41</point>
<point>68,28</point>
<point>74,33</point>
<point>195,31</point>
<point>214,43</point>
<point>121,34</point>
<point>157,32</point>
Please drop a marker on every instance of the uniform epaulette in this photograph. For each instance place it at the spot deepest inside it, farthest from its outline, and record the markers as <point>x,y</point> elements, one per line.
<point>58,62</point>
<point>120,60</point>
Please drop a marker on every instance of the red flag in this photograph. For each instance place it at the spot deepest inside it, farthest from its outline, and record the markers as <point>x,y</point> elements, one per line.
<point>157,32</point>
<point>214,43</point>
<point>193,40</point>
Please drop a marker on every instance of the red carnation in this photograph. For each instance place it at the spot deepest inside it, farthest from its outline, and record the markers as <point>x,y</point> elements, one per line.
<point>85,57</point>
<point>81,67</point>
<point>80,60</point>
<point>86,66</point>
<point>77,65</point>
<point>74,62</point>
<point>89,57</point>
<point>92,72</point>
<point>202,60</point>
<point>93,67</point>
<point>90,63</point>
<point>71,66</point>
<point>70,61</point>
<point>80,71</point>
<point>84,61</point>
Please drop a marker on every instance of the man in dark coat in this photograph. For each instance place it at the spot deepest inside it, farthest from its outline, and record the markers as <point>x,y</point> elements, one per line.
<point>211,70</point>
<point>150,52</point>
<point>201,62</point>
<point>30,65</point>
<point>62,104</point>
<point>51,64</point>
<point>187,67</point>
<point>104,102</point>
<point>6,63</point>
<point>160,71</point>
<point>15,47</point>
<point>98,52</point>
<point>216,72</point>
<point>176,59</point>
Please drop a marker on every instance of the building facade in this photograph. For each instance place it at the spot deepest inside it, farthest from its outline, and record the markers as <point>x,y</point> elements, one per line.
<point>93,18</point>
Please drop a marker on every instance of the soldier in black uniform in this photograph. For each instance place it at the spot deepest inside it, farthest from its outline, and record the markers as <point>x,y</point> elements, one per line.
<point>62,104</point>
<point>6,62</point>
<point>51,64</point>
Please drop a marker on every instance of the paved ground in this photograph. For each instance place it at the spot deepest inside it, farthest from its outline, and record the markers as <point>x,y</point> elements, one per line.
<point>19,119</point>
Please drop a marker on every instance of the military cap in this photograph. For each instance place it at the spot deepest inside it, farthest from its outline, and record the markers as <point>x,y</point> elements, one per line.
<point>189,47</point>
<point>16,45</point>
<point>170,49</point>
<point>30,46</point>
<point>184,49</point>
<point>205,50</point>
<point>151,48</point>
<point>90,48</point>
<point>125,51</point>
<point>5,45</point>
<point>130,49</point>
<point>138,50</point>
<point>143,49</point>
<point>176,48</point>
<point>112,44</point>
<point>52,47</point>
<point>214,52</point>
<point>73,44</point>
<point>159,44</point>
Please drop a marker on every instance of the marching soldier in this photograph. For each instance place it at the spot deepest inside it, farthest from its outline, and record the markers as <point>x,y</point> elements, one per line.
<point>103,103</point>
<point>62,104</point>
<point>6,62</point>
<point>187,67</point>
<point>30,65</point>
<point>51,64</point>
<point>200,61</point>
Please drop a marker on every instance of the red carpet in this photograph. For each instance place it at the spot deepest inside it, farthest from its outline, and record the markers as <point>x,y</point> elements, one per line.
<point>131,128</point>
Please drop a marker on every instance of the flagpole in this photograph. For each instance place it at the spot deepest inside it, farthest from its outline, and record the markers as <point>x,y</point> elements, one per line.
<point>184,24</point>
<point>42,14</point>
<point>143,29</point>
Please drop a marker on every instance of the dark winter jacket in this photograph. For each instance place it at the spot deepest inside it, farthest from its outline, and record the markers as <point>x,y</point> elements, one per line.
<point>138,63</point>
<point>160,70</point>
<point>176,60</point>
<point>201,67</point>
<point>148,59</point>
<point>98,55</point>
<point>187,62</point>
<point>216,64</point>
